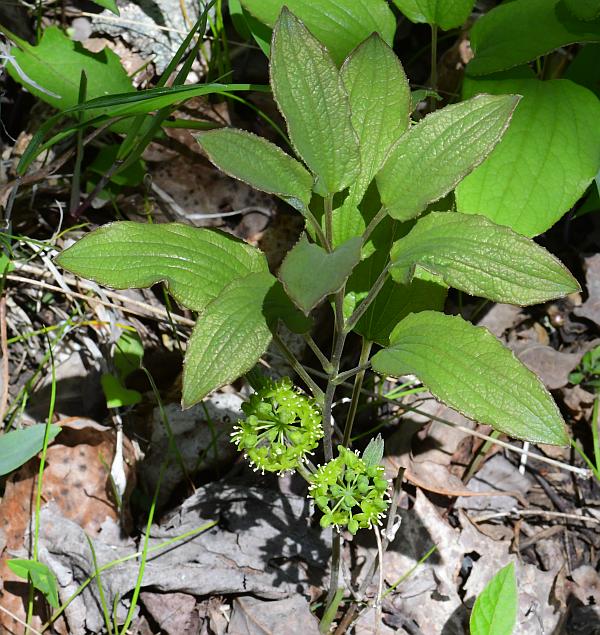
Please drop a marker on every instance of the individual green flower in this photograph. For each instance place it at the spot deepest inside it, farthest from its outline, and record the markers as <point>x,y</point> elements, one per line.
<point>282,426</point>
<point>349,492</point>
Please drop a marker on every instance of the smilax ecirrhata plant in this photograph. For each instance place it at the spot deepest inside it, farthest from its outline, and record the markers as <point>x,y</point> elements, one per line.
<point>364,178</point>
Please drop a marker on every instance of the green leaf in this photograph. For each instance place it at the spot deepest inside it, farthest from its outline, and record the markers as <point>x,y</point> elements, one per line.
<point>129,177</point>
<point>117,396</point>
<point>259,163</point>
<point>432,157</point>
<point>373,453</point>
<point>55,66</point>
<point>111,5</point>
<point>544,163</point>
<point>447,14</point>
<point>380,105</point>
<point>41,577</point>
<point>229,338</point>
<point>481,258</point>
<point>18,446</point>
<point>519,31</point>
<point>496,607</point>
<point>311,96</point>
<point>584,9</point>
<point>468,369</point>
<point>129,352</point>
<point>309,273</point>
<point>338,24</point>
<point>195,264</point>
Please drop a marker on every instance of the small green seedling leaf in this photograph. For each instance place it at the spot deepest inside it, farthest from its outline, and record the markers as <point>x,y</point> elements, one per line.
<point>111,5</point>
<point>40,575</point>
<point>373,453</point>
<point>311,96</point>
<point>55,65</point>
<point>380,104</point>
<point>468,369</point>
<point>338,24</point>
<point>229,338</point>
<point>259,163</point>
<point>129,177</point>
<point>309,273</point>
<point>129,352</point>
<point>545,161</point>
<point>117,396</point>
<point>584,9</point>
<point>195,264</point>
<point>477,256</point>
<point>435,155</point>
<point>447,14</point>
<point>522,30</point>
<point>496,607</point>
<point>18,446</point>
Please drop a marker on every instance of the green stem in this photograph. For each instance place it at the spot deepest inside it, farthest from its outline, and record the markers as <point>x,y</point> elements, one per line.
<point>381,214</point>
<point>325,363</point>
<point>317,227</point>
<point>358,382</point>
<point>329,220</point>
<point>364,305</point>
<point>298,368</point>
<point>347,374</point>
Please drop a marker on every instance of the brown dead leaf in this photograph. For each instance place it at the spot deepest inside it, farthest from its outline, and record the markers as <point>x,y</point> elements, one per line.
<point>175,613</point>
<point>76,480</point>
<point>291,616</point>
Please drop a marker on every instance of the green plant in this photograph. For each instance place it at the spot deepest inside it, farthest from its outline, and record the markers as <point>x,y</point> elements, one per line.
<point>495,610</point>
<point>365,178</point>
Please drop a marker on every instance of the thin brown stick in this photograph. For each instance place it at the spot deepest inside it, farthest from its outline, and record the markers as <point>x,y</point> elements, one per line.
<point>143,310</point>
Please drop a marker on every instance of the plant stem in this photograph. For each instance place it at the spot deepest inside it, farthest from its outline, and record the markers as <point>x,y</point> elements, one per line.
<point>381,214</point>
<point>364,305</point>
<point>329,220</point>
<point>317,227</point>
<point>325,363</point>
<point>298,368</point>
<point>358,382</point>
<point>347,374</point>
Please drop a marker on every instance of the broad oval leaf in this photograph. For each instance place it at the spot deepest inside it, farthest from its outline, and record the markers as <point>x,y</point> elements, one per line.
<point>481,258</point>
<point>18,446</point>
<point>258,163</point>
<point>431,158</point>
<point>496,607</point>
<point>51,71</point>
<point>519,31</point>
<point>544,163</point>
<point>380,104</point>
<point>468,369</point>
<point>310,94</point>
<point>309,273</point>
<point>338,24</point>
<point>229,337</point>
<point>195,264</point>
<point>41,577</point>
<point>447,14</point>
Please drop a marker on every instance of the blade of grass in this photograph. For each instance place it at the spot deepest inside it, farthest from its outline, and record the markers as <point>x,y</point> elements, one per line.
<point>107,620</point>
<point>76,181</point>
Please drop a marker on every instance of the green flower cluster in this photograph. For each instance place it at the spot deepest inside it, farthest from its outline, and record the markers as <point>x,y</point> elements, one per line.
<point>282,426</point>
<point>349,492</point>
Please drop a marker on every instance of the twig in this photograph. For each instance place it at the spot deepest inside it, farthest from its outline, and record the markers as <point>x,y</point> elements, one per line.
<point>534,512</point>
<point>155,311</point>
<point>14,617</point>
